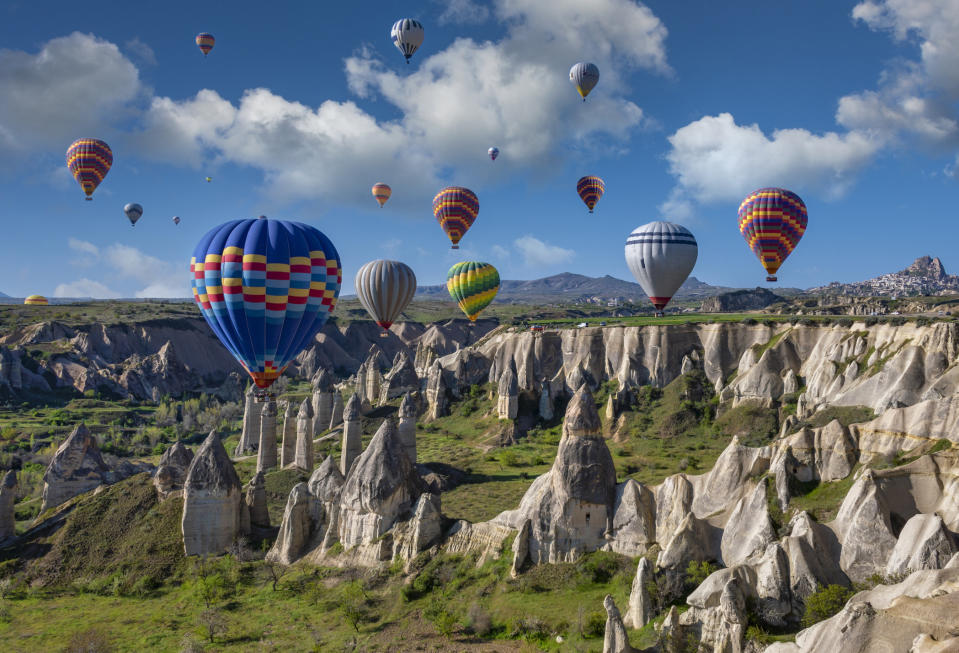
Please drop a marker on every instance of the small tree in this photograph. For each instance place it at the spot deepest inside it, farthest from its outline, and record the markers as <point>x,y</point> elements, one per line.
<point>824,603</point>
<point>213,623</point>
<point>352,604</point>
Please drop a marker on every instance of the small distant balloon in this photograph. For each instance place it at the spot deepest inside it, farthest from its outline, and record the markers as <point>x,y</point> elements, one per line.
<point>493,153</point>
<point>455,208</point>
<point>133,212</point>
<point>590,189</point>
<point>36,300</point>
<point>209,179</point>
<point>407,35</point>
<point>205,41</point>
<point>772,220</point>
<point>89,159</point>
<point>382,193</point>
<point>584,77</point>
<point>176,219</point>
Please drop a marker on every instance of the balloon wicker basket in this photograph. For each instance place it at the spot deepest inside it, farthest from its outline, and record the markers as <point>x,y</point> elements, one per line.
<point>383,334</point>
<point>660,314</point>
<point>262,396</point>
<point>772,277</point>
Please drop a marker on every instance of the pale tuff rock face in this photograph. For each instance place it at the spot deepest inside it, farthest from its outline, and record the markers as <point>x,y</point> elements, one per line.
<point>266,451</point>
<point>407,425</point>
<point>322,401</point>
<point>633,529</point>
<point>322,381</point>
<point>8,496</point>
<point>352,435</point>
<point>694,540</point>
<point>722,628</point>
<point>326,481</point>
<point>864,528</point>
<point>288,448</point>
<point>382,486</point>
<point>171,472</point>
<point>400,379</point>
<point>421,532</point>
<point>436,392</point>
<point>749,529</point>
<point>507,402</point>
<point>923,543</point>
<point>252,416</point>
<point>828,453</point>
<point>337,417</point>
<point>303,453</point>
<point>813,554</point>
<point>296,529</point>
<point>641,606</point>
<point>615,640</point>
<point>75,468</point>
<point>256,501</point>
<point>212,500</point>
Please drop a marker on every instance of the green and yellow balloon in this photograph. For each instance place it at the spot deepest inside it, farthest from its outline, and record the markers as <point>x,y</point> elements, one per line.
<point>473,285</point>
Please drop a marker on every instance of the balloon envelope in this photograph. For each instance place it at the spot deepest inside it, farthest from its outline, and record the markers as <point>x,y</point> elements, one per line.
<point>176,219</point>
<point>661,255</point>
<point>473,285</point>
<point>133,212</point>
<point>456,209</point>
<point>385,288</point>
<point>382,193</point>
<point>407,35</point>
<point>89,159</point>
<point>590,189</point>
<point>205,41</point>
<point>584,77</point>
<point>772,220</point>
<point>36,300</point>
<point>493,153</point>
<point>265,287</point>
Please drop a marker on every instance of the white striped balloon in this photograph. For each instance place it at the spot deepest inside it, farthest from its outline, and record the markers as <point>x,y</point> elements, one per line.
<point>661,255</point>
<point>385,288</point>
<point>584,77</point>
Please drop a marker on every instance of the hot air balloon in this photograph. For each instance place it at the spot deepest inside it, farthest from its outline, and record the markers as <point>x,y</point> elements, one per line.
<point>205,41</point>
<point>385,288</point>
<point>493,153</point>
<point>133,211</point>
<point>772,220</point>
<point>590,189</point>
<point>36,300</point>
<point>382,193</point>
<point>176,219</point>
<point>661,255</point>
<point>584,77</point>
<point>456,209</point>
<point>89,159</point>
<point>209,179</point>
<point>473,285</point>
<point>407,35</point>
<point>265,287</point>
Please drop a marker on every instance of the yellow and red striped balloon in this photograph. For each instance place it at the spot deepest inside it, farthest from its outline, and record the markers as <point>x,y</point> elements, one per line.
<point>455,208</point>
<point>382,193</point>
<point>772,220</point>
<point>89,159</point>
<point>205,41</point>
<point>36,300</point>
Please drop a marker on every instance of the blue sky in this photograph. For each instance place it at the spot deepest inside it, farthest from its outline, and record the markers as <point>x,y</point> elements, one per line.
<point>301,107</point>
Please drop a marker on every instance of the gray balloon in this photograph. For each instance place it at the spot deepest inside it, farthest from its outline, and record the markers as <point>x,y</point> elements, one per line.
<point>385,288</point>
<point>133,211</point>
<point>584,76</point>
<point>661,255</point>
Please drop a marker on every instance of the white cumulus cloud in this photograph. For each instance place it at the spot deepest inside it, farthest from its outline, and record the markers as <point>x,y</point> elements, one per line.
<point>83,247</point>
<point>462,12</point>
<point>537,253</point>
<point>85,288</point>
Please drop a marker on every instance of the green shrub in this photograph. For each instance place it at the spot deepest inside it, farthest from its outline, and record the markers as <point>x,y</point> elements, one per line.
<point>697,572</point>
<point>594,625</point>
<point>824,603</point>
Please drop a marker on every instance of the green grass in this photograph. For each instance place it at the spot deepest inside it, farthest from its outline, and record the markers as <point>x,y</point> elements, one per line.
<point>824,499</point>
<point>845,414</point>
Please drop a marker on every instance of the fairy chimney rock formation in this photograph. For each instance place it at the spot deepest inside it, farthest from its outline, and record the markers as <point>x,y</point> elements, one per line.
<point>407,426</point>
<point>288,448</point>
<point>75,468</point>
<point>382,486</point>
<point>436,399</point>
<point>507,403</point>
<point>641,608</point>
<point>336,418</point>
<point>303,454</point>
<point>400,379</point>
<point>249,436</point>
<point>171,472</point>
<point>256,501</point>
<point>373,377</point>
<point>212,497</point>
<point>8,495</point>
<point>322,401</point>
<point>352,434</point>
<point>266,451</point>
<point>615,639</point>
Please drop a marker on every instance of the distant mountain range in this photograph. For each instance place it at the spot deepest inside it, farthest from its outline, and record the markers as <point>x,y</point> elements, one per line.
<point>926,276</point>
<point>578,288</point>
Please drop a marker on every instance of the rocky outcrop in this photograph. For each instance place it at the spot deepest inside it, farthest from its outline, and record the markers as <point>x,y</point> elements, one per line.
<point>723,627</point>
<point>211,500</point>
<point>924,543</point>
<point>256,501</point>
<point>545,402</point>
<point>75,468</point>
<point>337,417</point>
<point>571,506</point>
<point>296,528</point>
<point>252,416</point>
<point>641,609</point>
<point>8,497</point>
<point>288,448</point>
<point>749,529</point>
<point>828,453</point>
<point>369,378</point>
<point>352,434</point>
<point>436,399</point>
<point>171,471</point>
<point>382,486</point>
<point>812,551</point>
<point>422,531</point>
<point>740,300</point>
<point>303,453</point>
<point>400,379</point>
<point>266,450</point>
<point>507,402</point>
<point>615,640</point>
<point>407,425</point>
<point>864,529</point>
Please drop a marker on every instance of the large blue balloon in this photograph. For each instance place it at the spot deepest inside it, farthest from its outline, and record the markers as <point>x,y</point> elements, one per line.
<point>265,287</point>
